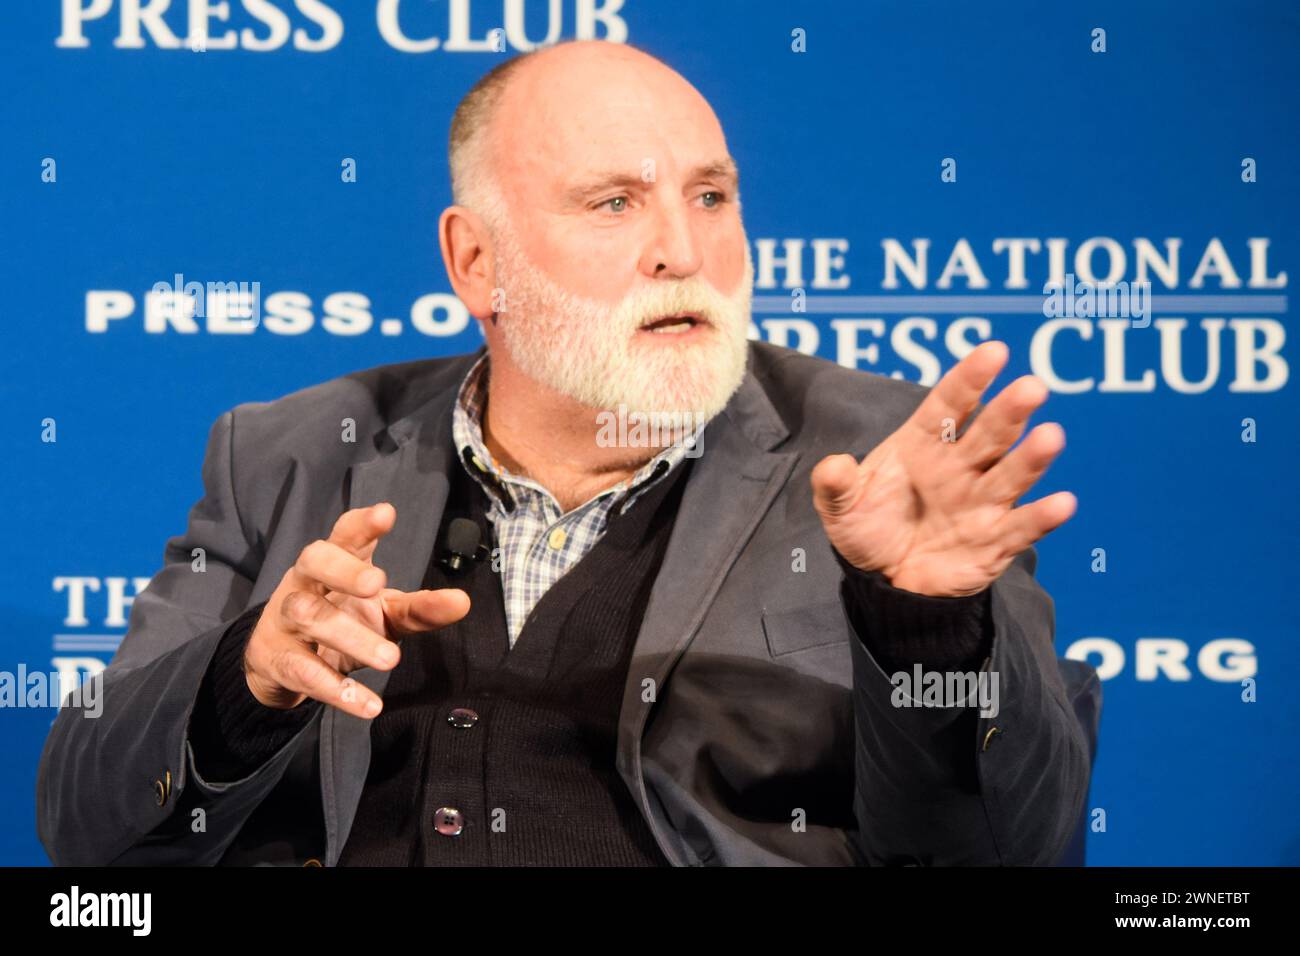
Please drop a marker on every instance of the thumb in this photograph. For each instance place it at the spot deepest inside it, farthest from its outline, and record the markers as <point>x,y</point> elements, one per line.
<point>834,482</point>
<point>415,612</point>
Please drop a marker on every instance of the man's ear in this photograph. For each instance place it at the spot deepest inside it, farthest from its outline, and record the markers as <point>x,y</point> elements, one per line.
<point>467,257</point>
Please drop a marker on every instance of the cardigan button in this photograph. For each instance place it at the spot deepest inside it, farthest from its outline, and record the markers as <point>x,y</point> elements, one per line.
<point>448,821</point>
<point>162,788</point>
<point>462,718</point>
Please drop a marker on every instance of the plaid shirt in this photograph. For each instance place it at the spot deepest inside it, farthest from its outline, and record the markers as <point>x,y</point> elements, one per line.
<point>537,542</point>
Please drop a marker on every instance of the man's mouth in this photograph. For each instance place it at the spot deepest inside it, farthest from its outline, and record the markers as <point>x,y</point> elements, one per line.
<point>674,324</point>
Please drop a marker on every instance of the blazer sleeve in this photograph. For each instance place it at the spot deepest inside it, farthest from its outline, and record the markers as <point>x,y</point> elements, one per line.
<point>121,787</point>
<point>941,786</point>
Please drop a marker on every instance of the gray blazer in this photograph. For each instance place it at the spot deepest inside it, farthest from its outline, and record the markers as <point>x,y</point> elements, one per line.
<point>771,739</point>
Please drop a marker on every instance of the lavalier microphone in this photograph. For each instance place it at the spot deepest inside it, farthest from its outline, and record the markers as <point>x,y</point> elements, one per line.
<point>462,545</point>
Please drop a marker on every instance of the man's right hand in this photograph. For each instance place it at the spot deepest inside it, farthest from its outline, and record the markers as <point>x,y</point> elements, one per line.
<point>332,614</point>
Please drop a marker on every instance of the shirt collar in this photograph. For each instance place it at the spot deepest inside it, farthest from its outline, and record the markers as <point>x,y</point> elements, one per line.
<point>497,481</point>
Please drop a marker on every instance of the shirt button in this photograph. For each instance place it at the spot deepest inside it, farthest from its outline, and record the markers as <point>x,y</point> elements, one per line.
<point>448,821</point>
<point>462,718</point>
<point>557,539</point>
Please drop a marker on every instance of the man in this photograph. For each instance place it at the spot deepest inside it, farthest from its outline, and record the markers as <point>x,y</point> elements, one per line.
<point>678,650</point>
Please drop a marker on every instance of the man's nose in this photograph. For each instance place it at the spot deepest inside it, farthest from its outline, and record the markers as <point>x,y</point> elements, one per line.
<point>672,251</point>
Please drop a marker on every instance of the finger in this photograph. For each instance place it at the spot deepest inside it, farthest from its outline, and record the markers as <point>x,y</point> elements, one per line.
<point>834,484</point>
<point>417,611</point>
<point>951,401</point>
<point>298,669</point>
<point>312,618</point>
<point>1023,465</point>
<point>360,529</point>
<point>324,564</point>
<point>1002,421</point>
<point>1027,524</point>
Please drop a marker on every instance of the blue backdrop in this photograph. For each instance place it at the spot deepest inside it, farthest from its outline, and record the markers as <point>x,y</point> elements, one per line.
<point>897,161</point>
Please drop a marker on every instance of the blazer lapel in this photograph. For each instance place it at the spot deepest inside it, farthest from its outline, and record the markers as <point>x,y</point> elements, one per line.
<point>731,486</point>
<point>411,472</point>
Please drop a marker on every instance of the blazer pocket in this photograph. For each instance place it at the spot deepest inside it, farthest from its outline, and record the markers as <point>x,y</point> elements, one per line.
<point>790,630</point>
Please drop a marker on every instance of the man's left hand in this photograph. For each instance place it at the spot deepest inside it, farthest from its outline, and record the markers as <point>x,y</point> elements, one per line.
<point>934,512</point>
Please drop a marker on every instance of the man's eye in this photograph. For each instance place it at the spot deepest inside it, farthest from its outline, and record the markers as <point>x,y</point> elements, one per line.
<point>616,199</point>
<point>718,198</point>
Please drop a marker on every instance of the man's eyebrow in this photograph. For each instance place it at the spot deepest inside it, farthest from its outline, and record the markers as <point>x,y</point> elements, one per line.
<point>599,182</point>
<point>578,193</point>
<point>720,169</point>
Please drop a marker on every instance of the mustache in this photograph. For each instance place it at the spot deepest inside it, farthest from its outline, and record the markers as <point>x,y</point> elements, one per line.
<point>694,296</point>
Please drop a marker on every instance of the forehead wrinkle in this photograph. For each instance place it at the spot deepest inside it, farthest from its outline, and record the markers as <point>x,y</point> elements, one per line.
<point>555,123</point>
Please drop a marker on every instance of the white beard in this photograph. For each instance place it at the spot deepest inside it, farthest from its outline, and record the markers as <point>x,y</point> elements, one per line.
<point>594,353</point>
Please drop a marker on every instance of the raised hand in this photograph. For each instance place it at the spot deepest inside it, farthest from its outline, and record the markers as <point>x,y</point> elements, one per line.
<point>936,513</point>
<point>331,614</point>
